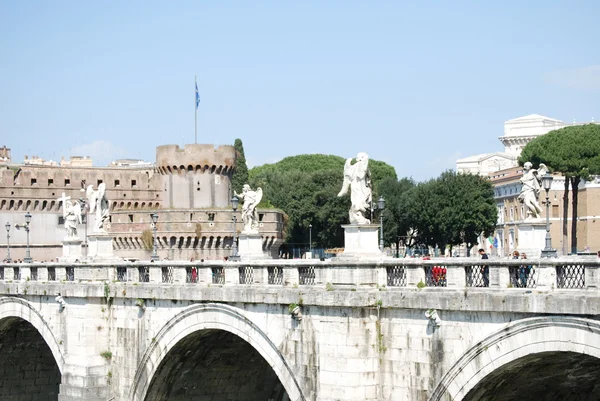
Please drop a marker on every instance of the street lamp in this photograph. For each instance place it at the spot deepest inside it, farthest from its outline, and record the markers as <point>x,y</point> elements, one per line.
<point>154,217</point>
<point>234,205</point>
<point>85,208</point>
<point>548,252</point>
<point>25,226</point>
<point>381,206</point>
<point>8,259</point>
<point>310,240</point>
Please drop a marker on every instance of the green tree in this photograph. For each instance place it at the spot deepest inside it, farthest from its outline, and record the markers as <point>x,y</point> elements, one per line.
<point>397,224</point>
<point>452,209</point>
<point>575,153</point>
<point>240,174</point>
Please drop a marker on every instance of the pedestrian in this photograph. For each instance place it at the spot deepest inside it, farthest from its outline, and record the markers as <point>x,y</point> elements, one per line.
<point>485,270</point>
<point>524,271</point>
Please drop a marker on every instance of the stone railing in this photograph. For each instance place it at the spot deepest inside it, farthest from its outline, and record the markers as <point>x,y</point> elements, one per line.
<point>563,273</point>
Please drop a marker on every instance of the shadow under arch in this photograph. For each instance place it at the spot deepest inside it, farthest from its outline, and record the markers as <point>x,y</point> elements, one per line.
<point>520,339</point>
<point>211,316</point>
<point>18,307</point>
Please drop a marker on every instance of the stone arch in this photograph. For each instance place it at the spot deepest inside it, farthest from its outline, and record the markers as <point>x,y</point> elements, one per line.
<point>518,340</point>
<point>17,307</point>
<point>205,317</point>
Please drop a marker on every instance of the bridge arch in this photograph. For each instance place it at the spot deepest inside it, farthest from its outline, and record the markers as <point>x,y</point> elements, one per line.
<point>521,342</point>
<point>20,308</point>
<point>211,316</point>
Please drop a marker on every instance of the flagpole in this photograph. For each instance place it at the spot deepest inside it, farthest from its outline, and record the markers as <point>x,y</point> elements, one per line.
<point>195,111</point>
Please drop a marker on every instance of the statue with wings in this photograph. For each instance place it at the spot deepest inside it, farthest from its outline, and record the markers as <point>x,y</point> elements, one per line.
<point>530,189</point>
<point>249,214</point>
<point>99,205</point>
<point>357,179</point>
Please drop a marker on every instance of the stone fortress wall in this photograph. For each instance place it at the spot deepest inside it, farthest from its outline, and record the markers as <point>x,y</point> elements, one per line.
<point>189,188</point>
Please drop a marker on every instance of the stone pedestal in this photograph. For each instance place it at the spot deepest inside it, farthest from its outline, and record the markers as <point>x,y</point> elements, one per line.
<point>532,237</point>
<point>361,241</point>
<point>250,247</point>
<point>100,248</point>
<point>71,250</point>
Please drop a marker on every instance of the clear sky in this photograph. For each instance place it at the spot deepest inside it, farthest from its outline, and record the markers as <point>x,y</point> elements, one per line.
<point>416,84</point>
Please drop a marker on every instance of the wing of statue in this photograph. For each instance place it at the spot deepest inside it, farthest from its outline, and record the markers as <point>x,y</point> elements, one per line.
<point>77,212</point>
<point>101,190</point>
<point>347,177</point>
<point>259,195</point>
<point>542,170</point>
<point>91,195</point>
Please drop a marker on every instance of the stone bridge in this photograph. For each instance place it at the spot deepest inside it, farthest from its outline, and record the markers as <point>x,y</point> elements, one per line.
<point>446,329</point>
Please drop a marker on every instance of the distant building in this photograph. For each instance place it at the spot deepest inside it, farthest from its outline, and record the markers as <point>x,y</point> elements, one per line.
<point>189,188</point>
<point>518,132</point>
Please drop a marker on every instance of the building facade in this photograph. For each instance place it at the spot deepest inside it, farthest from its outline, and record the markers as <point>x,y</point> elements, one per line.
<point>189,188</point>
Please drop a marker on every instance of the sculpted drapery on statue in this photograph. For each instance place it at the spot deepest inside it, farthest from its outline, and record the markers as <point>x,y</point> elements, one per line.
<point>99,204</point>
<point>530,189</point>
<point>249,214</point>
<point>357,179</point>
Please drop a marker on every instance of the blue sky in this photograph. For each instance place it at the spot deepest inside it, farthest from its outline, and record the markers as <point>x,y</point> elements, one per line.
<point>415,84</point>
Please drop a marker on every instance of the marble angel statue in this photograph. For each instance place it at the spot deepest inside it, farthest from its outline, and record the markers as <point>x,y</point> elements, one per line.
<point>249,214</point>
<point>530,189</point>
<point>357,179</point>
<point>72,217</point>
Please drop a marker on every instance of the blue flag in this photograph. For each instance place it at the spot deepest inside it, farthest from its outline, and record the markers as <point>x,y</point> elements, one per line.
<point>197,96</point>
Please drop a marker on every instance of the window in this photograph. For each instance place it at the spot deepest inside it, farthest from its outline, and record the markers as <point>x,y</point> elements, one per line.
<point>130,218</point>
<point>211,217</point>
<point>555,212</point>
<point>50,181</point>
<point>261,216</point>
<point>133,183</point>
<point>67,182</point>
<point>117,183</point>
<point>61,221</point>
<point>99,182</point>
<point>33,181</point>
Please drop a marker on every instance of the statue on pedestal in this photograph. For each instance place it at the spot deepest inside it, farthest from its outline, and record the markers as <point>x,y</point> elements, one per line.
<point>357,179</point>
<point>99,204</point>
<point>249,214</point>
<point>530,190</point>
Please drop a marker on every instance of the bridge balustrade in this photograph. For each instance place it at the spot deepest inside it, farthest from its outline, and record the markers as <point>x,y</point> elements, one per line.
<point>564,273</point>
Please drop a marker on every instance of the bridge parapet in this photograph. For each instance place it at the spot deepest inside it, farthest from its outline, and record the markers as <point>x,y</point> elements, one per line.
<point>563,273</point>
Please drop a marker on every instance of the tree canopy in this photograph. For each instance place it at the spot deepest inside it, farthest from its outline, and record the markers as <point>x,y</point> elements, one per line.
<point>452,209</point>
<point>572,151</point>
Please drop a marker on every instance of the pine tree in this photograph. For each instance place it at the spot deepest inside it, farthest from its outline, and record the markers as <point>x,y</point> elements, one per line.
<point>240,174</point>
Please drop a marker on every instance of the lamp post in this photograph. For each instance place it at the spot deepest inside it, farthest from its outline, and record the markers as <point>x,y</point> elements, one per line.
<point>25,226</point>
<point>85,208</point>
<point>310,240</point>
<point>154,217</point>
<point>234,252</point>
<point>548,252</point>
<point>381,206</point>
<point>8,259</point>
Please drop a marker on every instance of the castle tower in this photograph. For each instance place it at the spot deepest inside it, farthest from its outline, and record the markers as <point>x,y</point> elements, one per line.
<point>197,176</point>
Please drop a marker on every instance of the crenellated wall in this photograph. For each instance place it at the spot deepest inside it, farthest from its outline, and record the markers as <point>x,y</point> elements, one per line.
<point>196,176</point>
